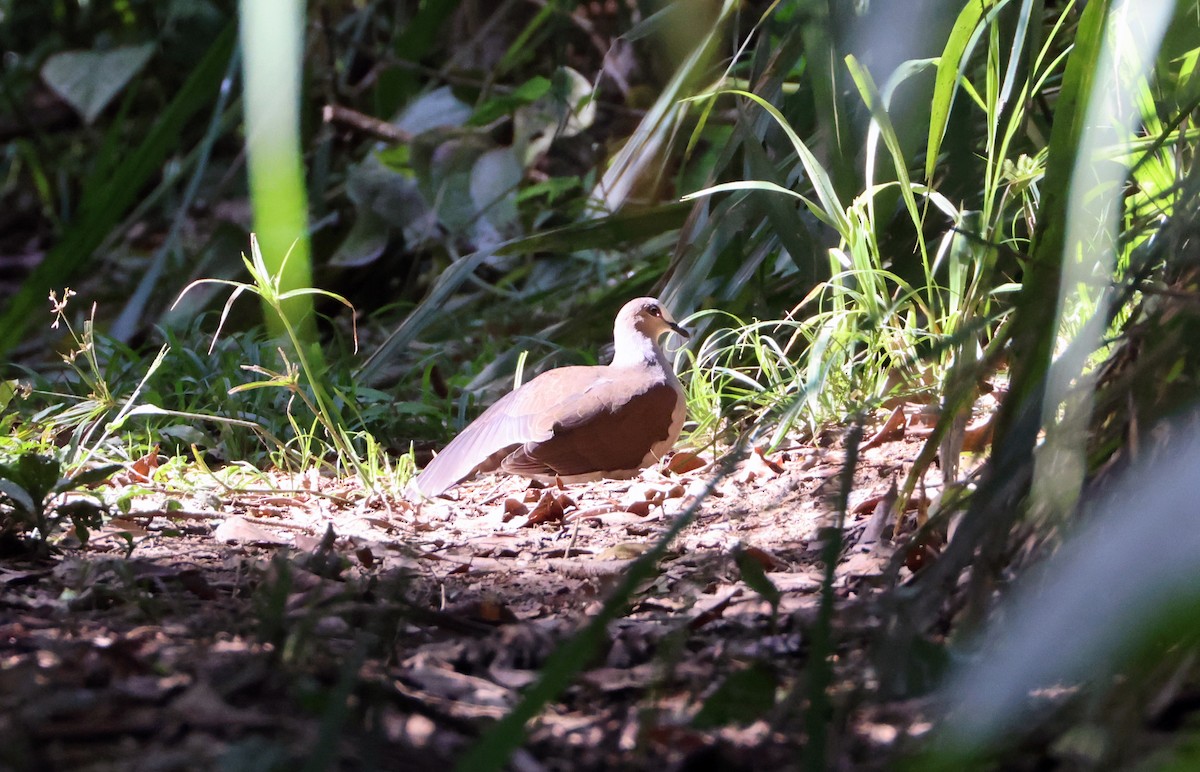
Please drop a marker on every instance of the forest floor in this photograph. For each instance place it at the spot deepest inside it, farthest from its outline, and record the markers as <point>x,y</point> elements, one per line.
<point>305,625</point>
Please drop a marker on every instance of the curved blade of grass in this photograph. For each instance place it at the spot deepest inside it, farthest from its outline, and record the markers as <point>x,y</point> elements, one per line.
<point>1035,327</point>
<point>771,187</point>
<point>831,205</point>
<point>642,148</point>
<point>1014,55</point>
<point>881,126</point>
<point>963,37</point>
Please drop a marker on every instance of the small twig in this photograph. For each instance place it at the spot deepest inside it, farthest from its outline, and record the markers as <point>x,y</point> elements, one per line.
<point>367,124</point>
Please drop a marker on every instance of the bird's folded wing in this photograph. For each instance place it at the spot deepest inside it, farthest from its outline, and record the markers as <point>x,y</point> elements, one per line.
<point>569,398</point>
<point>523,415</point>
<point>600,435</point>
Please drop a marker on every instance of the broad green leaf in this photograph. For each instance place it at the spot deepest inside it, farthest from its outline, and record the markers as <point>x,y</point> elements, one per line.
<point>37,474</point>
<point>443,161</point>
<point>763,185</point>
<point>18,495</point>
<point>493,187</point>
<point>564,110</point>
<point>89,80</point>
<point>8,390</point>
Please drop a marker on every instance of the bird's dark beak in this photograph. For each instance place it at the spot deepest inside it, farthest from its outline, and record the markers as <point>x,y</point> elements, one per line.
<point>679,331</point>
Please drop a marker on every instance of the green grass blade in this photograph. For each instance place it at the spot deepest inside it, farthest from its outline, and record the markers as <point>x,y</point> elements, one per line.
<point>882,125</point>
<point>963,37</point>
<point>822,184</point>
<point>1034,326</point>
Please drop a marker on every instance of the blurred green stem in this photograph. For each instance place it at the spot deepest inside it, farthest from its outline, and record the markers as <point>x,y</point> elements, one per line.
<point>271,36</point>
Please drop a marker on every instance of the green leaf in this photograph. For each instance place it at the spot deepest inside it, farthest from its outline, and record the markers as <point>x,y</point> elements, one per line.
<point>494,179</point>
<point>529,91</point>
<point>18,495</point>
<point>8,390</point>
<point>89,80</point>
<point>566,109</point>
<point>1035,326</point>
<point>831,206</point>
<point>882,123</point>
<point>38,475</point>
<point>756,579</point>
<point>89,477</point>
<point>742,698</point>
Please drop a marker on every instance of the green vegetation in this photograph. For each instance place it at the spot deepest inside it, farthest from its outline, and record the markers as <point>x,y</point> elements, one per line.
<point>1010,199</point>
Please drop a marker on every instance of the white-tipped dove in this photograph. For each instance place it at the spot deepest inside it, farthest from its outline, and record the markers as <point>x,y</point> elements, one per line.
<point>578,423</point>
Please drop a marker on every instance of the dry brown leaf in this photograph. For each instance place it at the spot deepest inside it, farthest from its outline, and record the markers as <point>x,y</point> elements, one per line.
<point>765,559</point>
<point>893,429</point>
<point>884,513</point>
<point>640,508</point>
<point>757,466</point>
<point>494,611</point>
<point>239,530</point>
<point>143,468</point>
<point>978,436</point>
<point>871,502</point>
<point>514,508</point>
<point>684,462</point>
<point>547,510</point>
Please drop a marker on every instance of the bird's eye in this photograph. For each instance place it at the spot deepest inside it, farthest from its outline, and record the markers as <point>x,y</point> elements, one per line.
<point>654,311</point>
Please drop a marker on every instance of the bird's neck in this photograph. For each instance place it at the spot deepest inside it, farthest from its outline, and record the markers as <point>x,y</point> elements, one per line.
<point>638,351</point>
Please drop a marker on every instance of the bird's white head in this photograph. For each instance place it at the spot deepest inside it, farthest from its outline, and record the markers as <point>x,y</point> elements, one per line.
<point>640,323</point>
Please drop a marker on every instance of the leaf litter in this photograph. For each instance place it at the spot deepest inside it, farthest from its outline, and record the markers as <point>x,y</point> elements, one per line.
<point>239,626</point>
